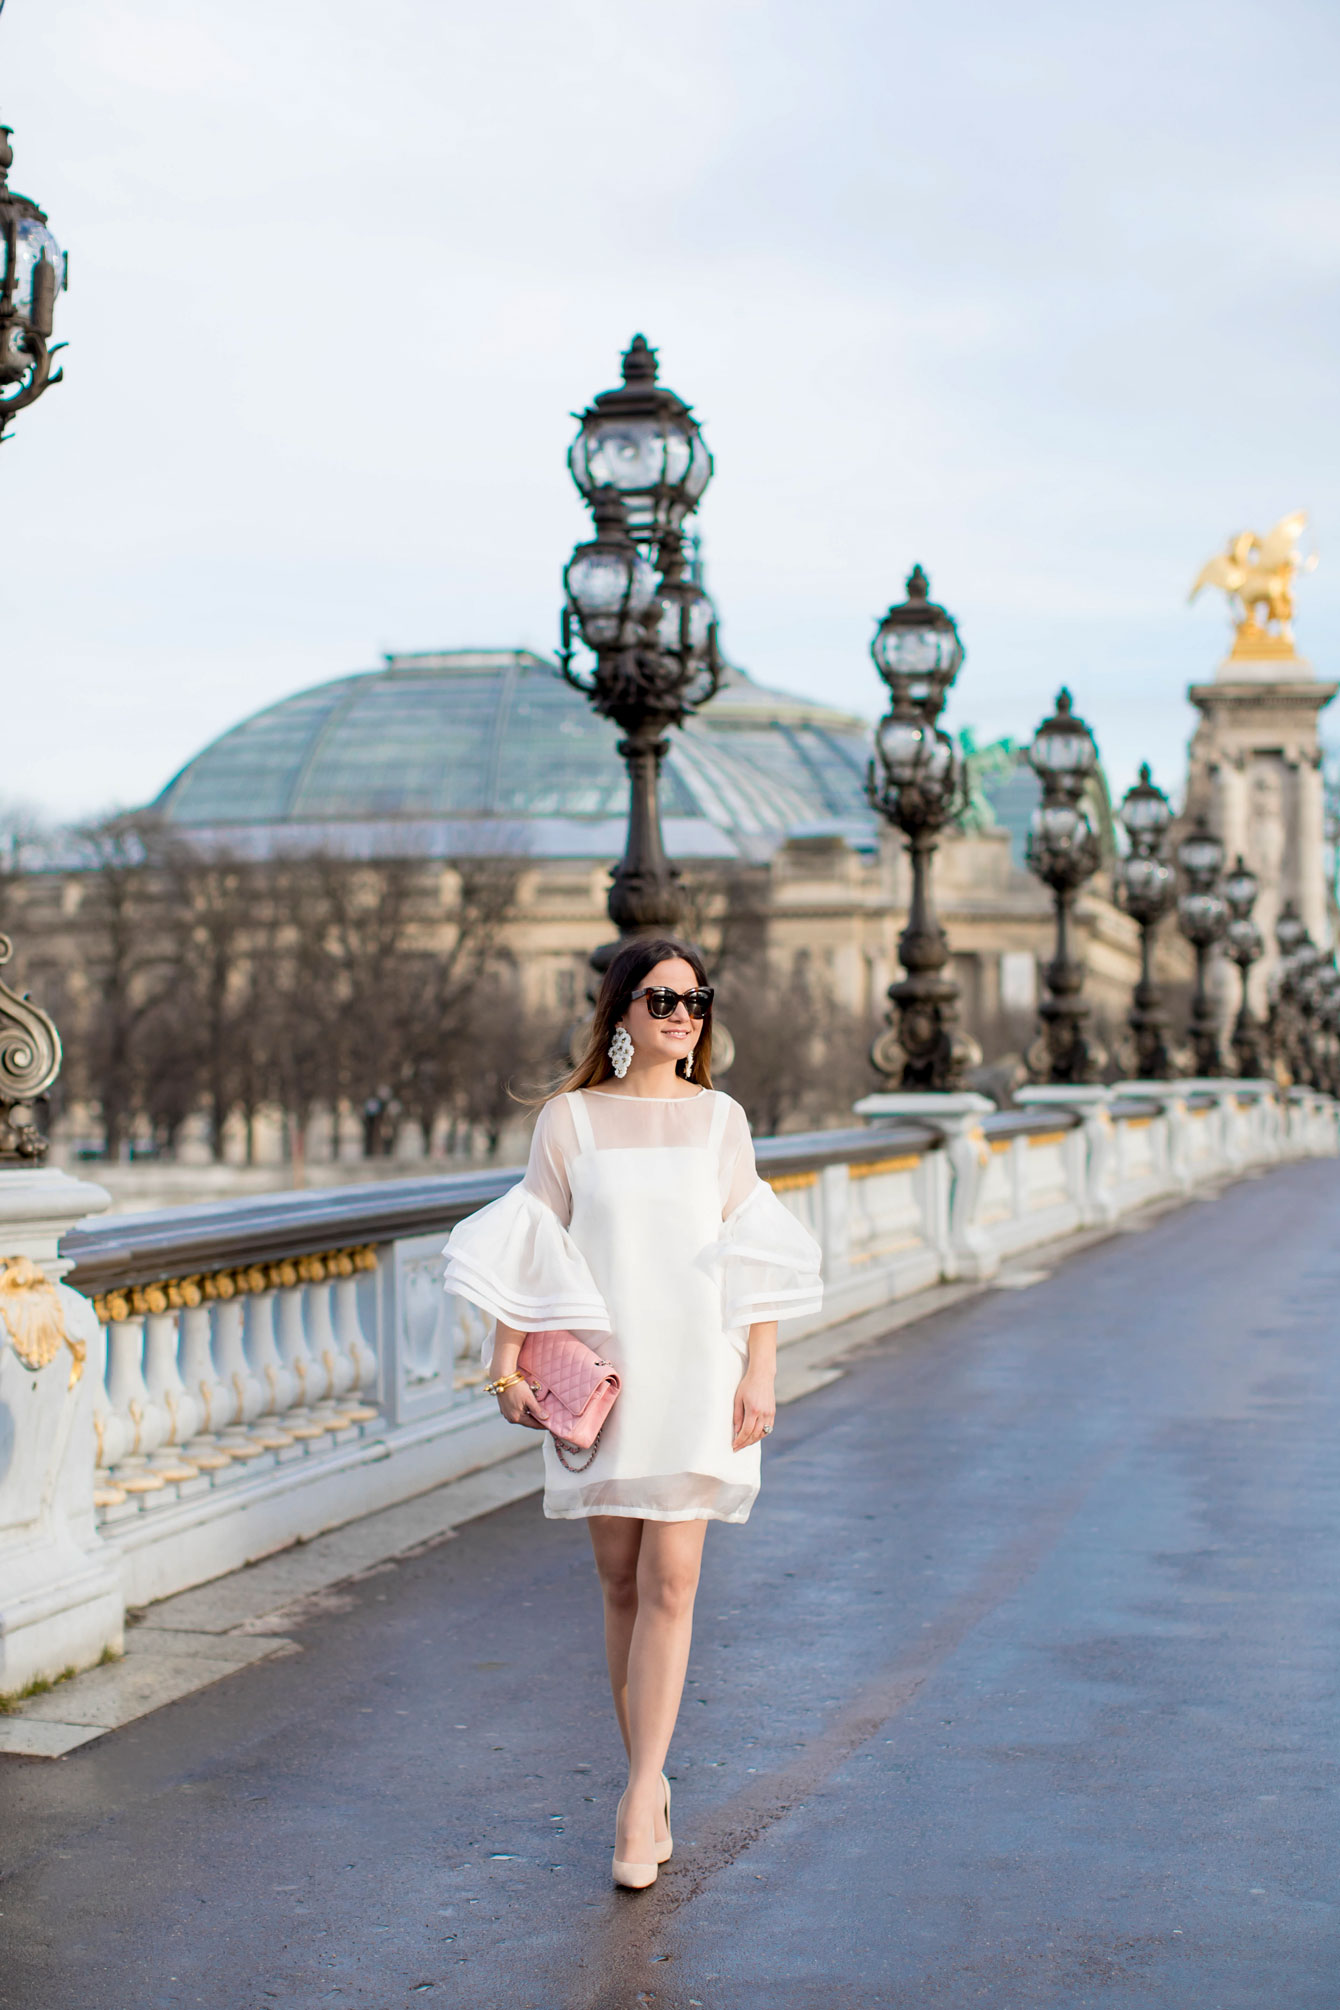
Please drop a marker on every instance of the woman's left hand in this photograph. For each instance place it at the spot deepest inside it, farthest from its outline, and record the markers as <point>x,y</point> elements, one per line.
<point>755,1407</point>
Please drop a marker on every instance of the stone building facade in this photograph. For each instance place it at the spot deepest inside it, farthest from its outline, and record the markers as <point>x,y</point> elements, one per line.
<point>465,753</point>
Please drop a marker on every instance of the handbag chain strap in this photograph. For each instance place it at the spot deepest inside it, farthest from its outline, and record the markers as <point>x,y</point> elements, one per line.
<point>591,1452</point>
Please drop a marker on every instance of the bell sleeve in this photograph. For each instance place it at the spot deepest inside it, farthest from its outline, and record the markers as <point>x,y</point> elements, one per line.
<point>515,1260</point>
<point>767,1261</point>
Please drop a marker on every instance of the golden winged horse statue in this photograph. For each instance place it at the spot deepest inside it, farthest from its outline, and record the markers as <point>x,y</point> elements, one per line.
<point>1258,573</point>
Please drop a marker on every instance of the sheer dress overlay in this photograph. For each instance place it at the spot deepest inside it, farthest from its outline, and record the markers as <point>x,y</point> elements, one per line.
<point>642,1225</point>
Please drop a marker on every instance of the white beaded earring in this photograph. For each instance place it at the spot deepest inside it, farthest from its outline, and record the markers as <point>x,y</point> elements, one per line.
<point>620,1051</point>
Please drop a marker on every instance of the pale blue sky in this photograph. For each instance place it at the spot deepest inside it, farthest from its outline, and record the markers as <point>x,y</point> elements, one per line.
<point>1041,296</point>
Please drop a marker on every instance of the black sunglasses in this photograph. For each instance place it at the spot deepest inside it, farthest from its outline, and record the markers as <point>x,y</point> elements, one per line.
<point>661,1000</point>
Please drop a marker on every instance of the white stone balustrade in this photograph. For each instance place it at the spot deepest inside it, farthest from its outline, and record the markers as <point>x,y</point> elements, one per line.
<point>212,1373</point>
<point>276,1368</point>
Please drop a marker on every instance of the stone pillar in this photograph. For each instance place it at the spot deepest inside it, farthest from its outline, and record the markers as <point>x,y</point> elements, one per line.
<point>1231,817</point>
<point>1255,769</point>
<point>968,1252</point>
<point>60,1585</point>
<point>1097,1204</point>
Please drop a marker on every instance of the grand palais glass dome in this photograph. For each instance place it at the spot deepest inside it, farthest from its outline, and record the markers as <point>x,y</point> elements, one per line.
<point>489,752</point>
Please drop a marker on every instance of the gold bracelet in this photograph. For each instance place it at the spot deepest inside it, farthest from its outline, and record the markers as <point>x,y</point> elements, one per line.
<point>503,1382</point>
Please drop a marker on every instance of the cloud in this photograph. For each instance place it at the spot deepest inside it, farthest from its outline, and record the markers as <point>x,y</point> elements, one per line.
<point>1040,297</point>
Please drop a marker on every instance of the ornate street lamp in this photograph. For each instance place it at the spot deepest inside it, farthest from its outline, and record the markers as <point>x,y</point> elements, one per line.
<point>644,442</point>
<point>1286,1032</point>
<point>1147,890</point>
<point>1307,983</point>
<point>1246,948</point>
<point>642,466</point>
<point>1328,1021</point>
<point>915,781</point>
<point>32,273</point>
<point>1202,916</point>
<point>1064,852</point>
<point>917,650</point>
<point>1290,930</point>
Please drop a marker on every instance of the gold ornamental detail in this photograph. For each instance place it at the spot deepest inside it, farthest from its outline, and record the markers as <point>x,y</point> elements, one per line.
<point>908,1162</point>
<point>34,1318</point>
<point>1258,573</point>
<point>167,1294</point>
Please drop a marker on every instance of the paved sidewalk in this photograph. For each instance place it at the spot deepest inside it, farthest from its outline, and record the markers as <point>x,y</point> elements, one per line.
<point>198,1637</point>
<point>1018,1691</point>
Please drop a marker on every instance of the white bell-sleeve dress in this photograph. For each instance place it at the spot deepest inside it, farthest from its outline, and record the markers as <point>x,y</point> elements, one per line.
<point>642,1225</point>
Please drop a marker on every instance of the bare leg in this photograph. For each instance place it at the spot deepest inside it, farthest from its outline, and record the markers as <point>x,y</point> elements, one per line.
<point>616,1540</point>
<point>668,1562</point>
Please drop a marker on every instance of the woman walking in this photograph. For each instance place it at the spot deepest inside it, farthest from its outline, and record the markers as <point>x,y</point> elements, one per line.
<point>642,1226</point>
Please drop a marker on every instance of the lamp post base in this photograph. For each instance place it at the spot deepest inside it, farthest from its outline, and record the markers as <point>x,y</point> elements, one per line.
<point>1063,1056</point>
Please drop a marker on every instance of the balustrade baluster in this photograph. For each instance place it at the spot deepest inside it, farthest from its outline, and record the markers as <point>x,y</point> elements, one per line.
<point>247,1389</point>
<point>146,1422</point>
<point>112,1430</point>
<point>162,1375</point>
<point>291,1339</point>
<point>202,1380</point>
<point>334,1369</point>
<point>349,1328</point>
<point>278,1381</point>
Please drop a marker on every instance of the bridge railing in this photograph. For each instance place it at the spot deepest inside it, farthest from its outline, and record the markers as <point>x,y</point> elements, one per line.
<point>274,1367</point>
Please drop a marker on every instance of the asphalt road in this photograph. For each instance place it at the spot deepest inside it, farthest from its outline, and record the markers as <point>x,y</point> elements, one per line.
<point>1018,1690</point>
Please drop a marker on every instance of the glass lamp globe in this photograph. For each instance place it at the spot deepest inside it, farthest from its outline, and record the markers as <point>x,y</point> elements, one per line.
<point>915,755</point>
<point>28,288</point>
<point>1200,854</point>
<point>687,613</point>
<point>1241,887</point>
<point>916,649</point>
<point>643,441</point>
<point>1062,848</point>
<point>608,582</point>
<point>1058,826</point>
<point>1146,881</point>
<point>1244,939</point>
<point>1290,930</point>
<point>687,616</point>
<point>34,241</point>
<point>1202,916</point>
<point>1063,748</point>
<point>1145,811</point>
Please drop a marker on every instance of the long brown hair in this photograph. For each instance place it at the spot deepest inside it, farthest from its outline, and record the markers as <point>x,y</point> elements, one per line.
<point>627,969</point>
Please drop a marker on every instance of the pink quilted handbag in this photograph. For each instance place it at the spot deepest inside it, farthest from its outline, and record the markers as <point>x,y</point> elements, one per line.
<point>577,1390</point>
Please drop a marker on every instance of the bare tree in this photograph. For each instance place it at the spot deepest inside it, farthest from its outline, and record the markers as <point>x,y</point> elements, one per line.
<point>130,953</point>
<point>444,990</point>
<point>295,1002</point>
<point>800,1057</point>
<point>509,1055</point>
<point>214,912</point>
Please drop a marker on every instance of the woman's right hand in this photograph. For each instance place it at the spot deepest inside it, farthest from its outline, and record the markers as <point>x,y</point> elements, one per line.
<point>520,1405</point>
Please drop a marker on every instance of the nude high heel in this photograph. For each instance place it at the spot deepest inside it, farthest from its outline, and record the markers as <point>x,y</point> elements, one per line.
<point>632,1876</point>
<point>665,1850</point>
